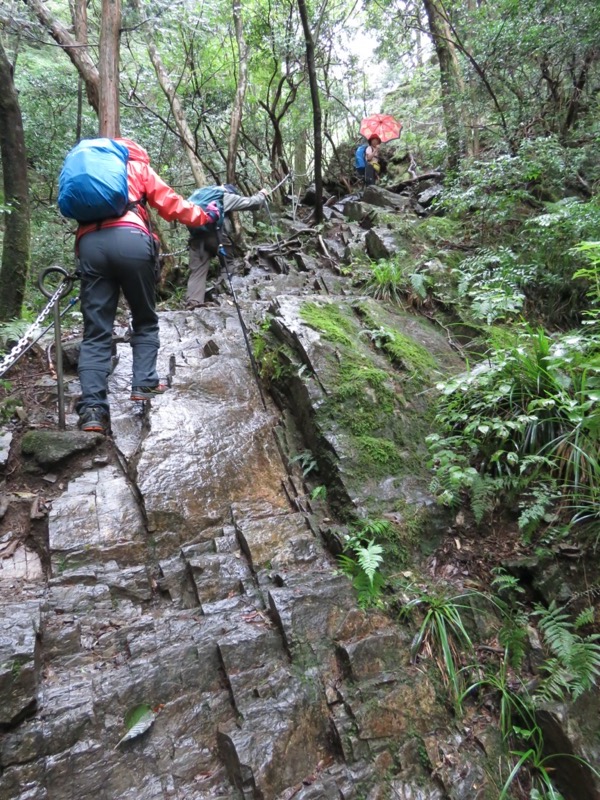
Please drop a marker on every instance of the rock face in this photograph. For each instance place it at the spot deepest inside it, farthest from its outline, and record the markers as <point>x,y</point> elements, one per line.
<point>183,578</point>
<point>188,575</point>
<point>360,398</point>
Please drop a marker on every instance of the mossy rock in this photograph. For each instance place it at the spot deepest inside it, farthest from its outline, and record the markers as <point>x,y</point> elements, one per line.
<point>52,447</point>
<point>359,393</point>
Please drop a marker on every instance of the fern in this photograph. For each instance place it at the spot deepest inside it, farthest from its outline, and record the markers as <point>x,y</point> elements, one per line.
<point>575,666</point>
<point>418,282</point>
<point>536,507</point>
<point>12,331</point>
<point>375,527</point>
<point>366,580</point>
<point>503,582</point>
<point>369,591</point>
<point>483,495</point>
<point>369,558</point>
<point>585,617</point>
<point>556,629</point>
<point>513,637</point>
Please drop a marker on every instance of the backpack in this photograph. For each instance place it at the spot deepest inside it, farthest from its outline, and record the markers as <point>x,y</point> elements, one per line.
<point>93,181</point>
<point>360,160</point>
<point>202,197</point>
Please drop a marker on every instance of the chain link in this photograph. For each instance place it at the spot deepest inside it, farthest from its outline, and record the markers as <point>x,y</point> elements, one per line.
<point>176,253</point>
<point>20,347</point>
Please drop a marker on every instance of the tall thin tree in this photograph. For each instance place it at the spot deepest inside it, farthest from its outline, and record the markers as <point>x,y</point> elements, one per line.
<point>170,92</point>
<point>449,79</point>
<point>316,106</point>
<point>110,35</point>
<point>240,93</point>
<point>16,244</point>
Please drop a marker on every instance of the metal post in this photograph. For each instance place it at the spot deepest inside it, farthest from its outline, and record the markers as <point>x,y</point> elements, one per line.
<point>60,384</point>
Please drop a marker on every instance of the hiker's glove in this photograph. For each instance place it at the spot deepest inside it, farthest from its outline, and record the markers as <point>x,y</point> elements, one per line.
<point>212,209</point>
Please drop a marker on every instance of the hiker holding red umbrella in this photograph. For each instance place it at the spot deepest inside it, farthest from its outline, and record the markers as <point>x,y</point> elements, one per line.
<point>373,167</point>
<point>377,129</point>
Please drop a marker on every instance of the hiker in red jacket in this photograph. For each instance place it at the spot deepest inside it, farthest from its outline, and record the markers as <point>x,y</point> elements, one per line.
<point>121,253</point>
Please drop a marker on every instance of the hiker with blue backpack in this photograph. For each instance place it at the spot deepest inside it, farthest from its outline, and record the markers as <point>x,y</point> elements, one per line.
<point>105,185</point>
<point>367,161</point>
<point>205,240</point>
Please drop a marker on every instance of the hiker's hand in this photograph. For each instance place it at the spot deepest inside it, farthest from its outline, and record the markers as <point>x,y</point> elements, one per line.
<point>264,191</point>
<point>212,209</point>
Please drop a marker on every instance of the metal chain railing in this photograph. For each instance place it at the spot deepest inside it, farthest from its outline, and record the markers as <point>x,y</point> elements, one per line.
<point>23,344</point>
<point>175,253</point>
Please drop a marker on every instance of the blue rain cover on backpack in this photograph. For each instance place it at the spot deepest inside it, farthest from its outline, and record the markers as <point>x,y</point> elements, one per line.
<point>202,197</point>
<point>360,161</point>
<point>93,181</point>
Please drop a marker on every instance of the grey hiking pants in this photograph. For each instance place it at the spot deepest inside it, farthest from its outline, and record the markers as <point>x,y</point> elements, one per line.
<point>111,259</point>
<point>199,266</point>
<point>202,249</point>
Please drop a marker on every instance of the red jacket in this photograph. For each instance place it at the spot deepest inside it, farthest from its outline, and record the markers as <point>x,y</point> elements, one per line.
<point>144,182</point>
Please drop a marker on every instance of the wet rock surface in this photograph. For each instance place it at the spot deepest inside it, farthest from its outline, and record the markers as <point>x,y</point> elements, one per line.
<point>187,573</point>
<point>182,577</point>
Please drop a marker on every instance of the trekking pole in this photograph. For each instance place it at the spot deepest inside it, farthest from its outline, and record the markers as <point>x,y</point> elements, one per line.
<point>281,182</point>
<point>63,289</point>
<point>223,262</point>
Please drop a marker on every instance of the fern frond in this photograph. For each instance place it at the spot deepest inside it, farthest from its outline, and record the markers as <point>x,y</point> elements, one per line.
<point>585,666</point>
<point>513,637</point>
<point>505,582</point>
<point>575,667</point>
<point>369,558</point>
<point>558,683</point>
<point>555,626</point>
<point>347,564</point>
<point>585,617</point>
<point>483,495</point>
<point>369,592</point>
<point>418,284</point>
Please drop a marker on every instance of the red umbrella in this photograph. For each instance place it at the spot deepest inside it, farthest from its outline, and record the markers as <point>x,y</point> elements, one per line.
<point>382,125</point>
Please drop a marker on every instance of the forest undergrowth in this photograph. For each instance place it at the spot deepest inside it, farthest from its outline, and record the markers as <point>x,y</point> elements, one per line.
<point>507,608</point>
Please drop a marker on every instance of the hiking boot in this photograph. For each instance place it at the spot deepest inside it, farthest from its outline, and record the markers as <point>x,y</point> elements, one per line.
<point>93,420</point>
<point>148,392</point>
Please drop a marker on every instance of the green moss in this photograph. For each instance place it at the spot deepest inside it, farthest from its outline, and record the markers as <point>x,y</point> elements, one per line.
<point>380,454</point>
<point>359,379</point>
<point>406,351</point>
<point>363,399</point>
<point>273,359</point>
<point>330,320</point>
<point>402,350</point>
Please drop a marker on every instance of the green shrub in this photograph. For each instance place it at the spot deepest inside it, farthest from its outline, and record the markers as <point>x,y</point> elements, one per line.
<point>528,414</point>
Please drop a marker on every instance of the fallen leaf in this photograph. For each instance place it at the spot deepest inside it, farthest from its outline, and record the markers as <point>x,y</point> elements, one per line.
<point>138,721</point>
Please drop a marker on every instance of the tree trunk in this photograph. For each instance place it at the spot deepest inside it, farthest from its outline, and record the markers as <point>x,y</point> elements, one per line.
<point>74,49</point>
<point>316,105</point>
<point>449,80</point>
<point>240,93</point>
<point>79,16</point>
<point>577,91</point>
<point>110,34</point>
<point>184,130</point>
<point>300,162</point>
<point>15,249</point>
